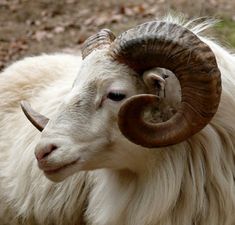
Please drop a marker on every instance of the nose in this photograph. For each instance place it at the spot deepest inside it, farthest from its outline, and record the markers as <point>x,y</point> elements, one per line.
<point>44,151</point>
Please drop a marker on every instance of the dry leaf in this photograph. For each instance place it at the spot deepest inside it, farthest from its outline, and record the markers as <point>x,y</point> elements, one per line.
<point>59,29</point>
<point>89,21</point>
<point>41,35</point>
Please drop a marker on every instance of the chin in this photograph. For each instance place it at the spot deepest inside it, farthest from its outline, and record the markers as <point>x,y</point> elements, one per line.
<point>55,177</point>
<point>61,174</point>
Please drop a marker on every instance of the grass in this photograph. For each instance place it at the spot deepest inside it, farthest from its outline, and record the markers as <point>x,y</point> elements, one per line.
<point>226,29</point>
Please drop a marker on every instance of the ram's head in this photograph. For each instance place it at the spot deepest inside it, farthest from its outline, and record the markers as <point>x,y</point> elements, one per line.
<point>115,105</point>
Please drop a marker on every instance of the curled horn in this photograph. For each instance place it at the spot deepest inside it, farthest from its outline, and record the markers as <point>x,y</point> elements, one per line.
<point>38,120</point>
<point>97,41</point>
<point>170,46</point>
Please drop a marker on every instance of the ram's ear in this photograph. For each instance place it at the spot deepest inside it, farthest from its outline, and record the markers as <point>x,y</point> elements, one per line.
<point>155,81</point>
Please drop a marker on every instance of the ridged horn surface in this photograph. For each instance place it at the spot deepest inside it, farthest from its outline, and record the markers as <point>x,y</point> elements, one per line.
<point>99,40</point>
<point>170,46</point>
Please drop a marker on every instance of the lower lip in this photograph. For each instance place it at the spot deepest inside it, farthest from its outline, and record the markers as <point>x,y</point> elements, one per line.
<point>53,171</point>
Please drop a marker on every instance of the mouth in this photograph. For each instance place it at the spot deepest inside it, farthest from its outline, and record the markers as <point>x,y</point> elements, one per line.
<point>52,171</point>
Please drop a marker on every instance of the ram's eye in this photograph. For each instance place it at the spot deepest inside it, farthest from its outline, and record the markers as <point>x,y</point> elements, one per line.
<point>165,76</point>
<point>116,96</point>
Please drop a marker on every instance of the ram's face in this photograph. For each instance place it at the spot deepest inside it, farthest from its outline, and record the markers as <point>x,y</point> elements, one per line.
<point>85,129</point>
<point>84,134</point>
<point>106,116</point>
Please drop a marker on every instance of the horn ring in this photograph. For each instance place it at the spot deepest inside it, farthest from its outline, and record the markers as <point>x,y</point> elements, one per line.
<point>99,40</point>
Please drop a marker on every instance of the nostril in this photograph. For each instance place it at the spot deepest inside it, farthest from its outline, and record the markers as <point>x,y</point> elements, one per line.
<point>45,151</point>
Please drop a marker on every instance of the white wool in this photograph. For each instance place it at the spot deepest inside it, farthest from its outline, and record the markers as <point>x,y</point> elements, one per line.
<point>190,183</point>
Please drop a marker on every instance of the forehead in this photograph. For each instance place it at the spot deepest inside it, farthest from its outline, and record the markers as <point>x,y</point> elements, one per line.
<point>99,72</point>
<point>99,67</point>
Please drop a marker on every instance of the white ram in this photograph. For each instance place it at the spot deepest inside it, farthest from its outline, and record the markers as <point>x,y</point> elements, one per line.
<point>120,169</point>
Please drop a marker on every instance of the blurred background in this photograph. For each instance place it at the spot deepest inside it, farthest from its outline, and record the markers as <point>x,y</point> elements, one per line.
<point>31,27</point>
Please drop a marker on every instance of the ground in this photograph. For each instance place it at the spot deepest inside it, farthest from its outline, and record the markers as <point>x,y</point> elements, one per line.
<point>34,27</point>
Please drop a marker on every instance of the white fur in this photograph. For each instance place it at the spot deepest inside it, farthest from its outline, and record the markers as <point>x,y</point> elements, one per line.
<point>115,181</point>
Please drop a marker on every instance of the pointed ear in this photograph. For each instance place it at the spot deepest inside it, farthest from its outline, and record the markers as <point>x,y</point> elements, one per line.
<point>155,81</point>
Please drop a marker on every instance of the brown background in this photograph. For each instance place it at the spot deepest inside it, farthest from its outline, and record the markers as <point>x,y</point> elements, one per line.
<point>31,27</point>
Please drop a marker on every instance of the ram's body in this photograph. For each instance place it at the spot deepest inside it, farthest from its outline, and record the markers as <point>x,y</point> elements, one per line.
<point>188,183</point>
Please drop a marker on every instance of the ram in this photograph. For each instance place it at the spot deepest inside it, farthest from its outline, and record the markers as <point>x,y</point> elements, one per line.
<point>123,141</point>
